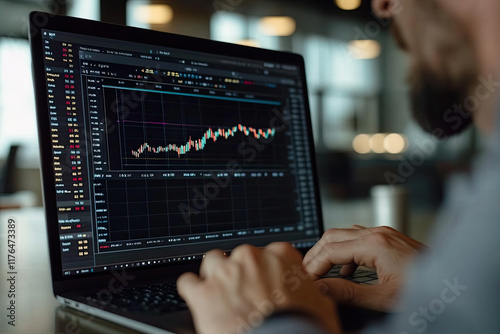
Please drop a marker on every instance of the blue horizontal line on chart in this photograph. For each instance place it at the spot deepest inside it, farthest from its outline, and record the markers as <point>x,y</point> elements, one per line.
<point>273,103</point>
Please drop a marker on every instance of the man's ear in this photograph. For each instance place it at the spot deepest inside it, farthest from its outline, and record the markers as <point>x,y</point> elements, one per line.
<point>386,8</point>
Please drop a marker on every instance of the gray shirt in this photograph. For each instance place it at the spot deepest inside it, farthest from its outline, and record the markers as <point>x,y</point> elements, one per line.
<point>454,287</point>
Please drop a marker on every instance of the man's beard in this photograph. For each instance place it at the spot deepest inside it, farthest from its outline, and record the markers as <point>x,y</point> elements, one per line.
<point>437,103</point>
<point>437,96</point>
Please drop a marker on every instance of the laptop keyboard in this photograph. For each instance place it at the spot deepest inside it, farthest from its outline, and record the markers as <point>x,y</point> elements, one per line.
<point>361,276</point>
<point>156,298</point>
<point>162,297</point>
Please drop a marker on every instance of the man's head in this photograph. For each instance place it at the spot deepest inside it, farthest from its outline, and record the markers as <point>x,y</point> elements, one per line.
<point>443,65</point>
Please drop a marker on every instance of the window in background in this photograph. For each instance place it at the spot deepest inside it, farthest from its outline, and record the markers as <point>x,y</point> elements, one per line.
<point>133,18</point>
<point>17,103</point>
<point>228,27</point>
<point>343,90</point>
<point>85,9</point>
<point>257,33</point>
<point>238,28</point>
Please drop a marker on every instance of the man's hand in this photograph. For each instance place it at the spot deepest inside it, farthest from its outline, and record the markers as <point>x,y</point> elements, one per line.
<point>235,294</point>
<point>381,248</point>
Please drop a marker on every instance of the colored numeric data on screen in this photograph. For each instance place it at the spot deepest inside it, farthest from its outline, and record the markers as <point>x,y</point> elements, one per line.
<point>161,130</point>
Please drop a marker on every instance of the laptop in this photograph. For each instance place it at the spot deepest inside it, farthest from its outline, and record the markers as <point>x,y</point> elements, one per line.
<point>156,148</point>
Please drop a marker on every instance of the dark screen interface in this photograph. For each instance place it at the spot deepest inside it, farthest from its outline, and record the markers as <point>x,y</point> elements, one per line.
<point>162,154</point>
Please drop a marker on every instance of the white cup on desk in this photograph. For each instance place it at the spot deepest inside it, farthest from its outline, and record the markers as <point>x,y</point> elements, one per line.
<point>390,206</point>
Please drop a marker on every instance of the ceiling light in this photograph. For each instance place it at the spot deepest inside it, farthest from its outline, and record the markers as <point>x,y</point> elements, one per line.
<point>154,14</point>
<point>277,25</point>
<point>361,144</point>
<point>395,143</point>
<point>249,42</point>
<point>377,143</point>
<point>364,49</point>
<point>348,4</point>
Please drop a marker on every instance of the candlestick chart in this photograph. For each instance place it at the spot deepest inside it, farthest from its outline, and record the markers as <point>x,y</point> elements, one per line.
<point>199,144</point>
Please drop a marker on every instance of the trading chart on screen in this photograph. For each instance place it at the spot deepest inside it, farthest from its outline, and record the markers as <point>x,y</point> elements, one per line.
<point>159,152</point>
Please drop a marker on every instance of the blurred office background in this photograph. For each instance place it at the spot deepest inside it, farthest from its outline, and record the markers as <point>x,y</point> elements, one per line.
<point>358,94</point>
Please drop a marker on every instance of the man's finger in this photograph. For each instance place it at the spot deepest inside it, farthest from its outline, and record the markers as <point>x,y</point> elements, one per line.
<point>211,260</point>
<point>322,250</point>
<point>346,252</point>
<point>359,227</point>
<point>284,251</point>
<point>186,284</point>
<point>374,297</point>
<point>348,269</point>
<point>332,236</point>
<point>344,234</point>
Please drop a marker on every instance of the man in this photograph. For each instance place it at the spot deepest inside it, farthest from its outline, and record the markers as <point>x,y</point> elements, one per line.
<point>452,287</point>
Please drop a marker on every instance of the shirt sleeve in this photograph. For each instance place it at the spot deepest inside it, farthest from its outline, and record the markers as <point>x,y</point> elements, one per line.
<point>454,287</point>
<point>290,323</point>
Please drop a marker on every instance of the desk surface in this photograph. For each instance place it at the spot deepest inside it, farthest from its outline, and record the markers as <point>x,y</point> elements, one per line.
<point>36,309</point>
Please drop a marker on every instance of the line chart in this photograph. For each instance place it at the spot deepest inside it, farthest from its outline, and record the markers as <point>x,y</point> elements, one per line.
<point>200,144</point>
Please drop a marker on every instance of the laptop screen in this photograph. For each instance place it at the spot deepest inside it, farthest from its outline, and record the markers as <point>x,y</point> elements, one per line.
<point>161,154</point>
